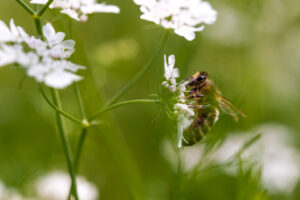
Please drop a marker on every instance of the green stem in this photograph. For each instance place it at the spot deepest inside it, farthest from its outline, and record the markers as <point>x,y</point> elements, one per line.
<point>139,74</point>
<point>44,8</point>
<point>107,108</point>
<point>56,100</point>
<point>78,154</point>
<point>82,134</point>
<point>80,102</point>
<point>38,25</point>
<point>79,148</point>
<point>65,144</point>
<point>26,7</point>
<point>58,109</point>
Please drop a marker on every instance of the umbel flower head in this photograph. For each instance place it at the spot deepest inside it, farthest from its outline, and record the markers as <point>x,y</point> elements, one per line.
<point>45,61</point>
<point>184,16</point>
<point>181,109</point>
<point>79,9</point>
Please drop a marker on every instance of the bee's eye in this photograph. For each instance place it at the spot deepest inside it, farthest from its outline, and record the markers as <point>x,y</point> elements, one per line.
<point>201,78</point>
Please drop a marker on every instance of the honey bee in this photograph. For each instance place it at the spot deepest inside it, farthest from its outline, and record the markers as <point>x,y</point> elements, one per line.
<point>206,100</point>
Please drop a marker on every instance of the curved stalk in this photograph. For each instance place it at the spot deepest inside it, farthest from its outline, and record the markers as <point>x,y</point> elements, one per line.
<point>44,8</point>
<point>26,7</point>
<point>74,119</point>
<point>139,74</point>
<point>80,102</point>
<point>79,148</point>
<point>108,108</point>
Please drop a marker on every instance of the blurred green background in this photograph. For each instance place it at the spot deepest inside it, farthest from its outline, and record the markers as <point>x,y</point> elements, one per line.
<point>252,53</point>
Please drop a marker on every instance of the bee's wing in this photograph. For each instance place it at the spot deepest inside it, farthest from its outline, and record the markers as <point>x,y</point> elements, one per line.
<point>228,107</point>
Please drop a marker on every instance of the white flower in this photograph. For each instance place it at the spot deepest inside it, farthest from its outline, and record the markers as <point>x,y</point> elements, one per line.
<point>51,36</point>
<point>9,54</point>
<point>183,111</point>
<point>7,193</point>
<point>56,186</point>
<point>43,60</point>
<point>9,34</point>
<point>184,120</point>
<point>57,47</point>
<point>184,16</point>
<point>182,89</point>
<point>171,73</point>
<point>56,74</point>
<point>190,157</point>
<point>79,9</point>
<point>274,152</point>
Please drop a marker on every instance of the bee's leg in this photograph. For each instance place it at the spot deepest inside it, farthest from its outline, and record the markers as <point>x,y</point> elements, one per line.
<point>199,95</point>
<point>204,125</point>
<point>193,95</point>
<point>200,131</point>
<point>189,137</point>
<point>195,89</point>
<point>212,117</point>
<point>202,106</point>
<point>191,106</point>
<point>195,140</point>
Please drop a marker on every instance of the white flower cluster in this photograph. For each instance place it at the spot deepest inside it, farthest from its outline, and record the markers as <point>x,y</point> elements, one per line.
<point>184,120</point>
<point>43,60</point>
<point>171,73</point>
<point>274,153</point>
<point>79,9</point>
<point>182,110</point>
<point>56,186</point>
<point>7,193</point>
<point>184,16</point>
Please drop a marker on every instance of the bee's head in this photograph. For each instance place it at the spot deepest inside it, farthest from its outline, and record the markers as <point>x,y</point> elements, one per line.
<point>198,79</point>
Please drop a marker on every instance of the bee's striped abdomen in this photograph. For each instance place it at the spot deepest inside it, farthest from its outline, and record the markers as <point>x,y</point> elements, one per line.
<point>201,125</point>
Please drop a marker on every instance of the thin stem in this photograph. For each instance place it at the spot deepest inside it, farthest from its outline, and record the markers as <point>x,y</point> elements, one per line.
<point>178,175</point>
<point>57,103</point>
<point>65,144</point>
<point>78,153</point>
<point>139,74</point>
<point>82,134</point>
<point>79,148</point>
<point>84,127</point>
<point>44,8</point>
<point>26,7</point>
<point>58,109</point>
<point>107,108</point>
<point>38,25</point>
<point>79,99</point>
